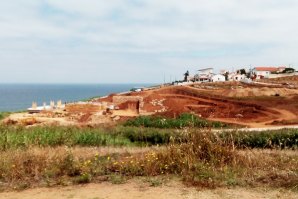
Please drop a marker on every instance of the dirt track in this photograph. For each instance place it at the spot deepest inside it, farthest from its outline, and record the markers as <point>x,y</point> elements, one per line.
<point>139,189</point>
<point>283,115</point>
<point>212,106</point>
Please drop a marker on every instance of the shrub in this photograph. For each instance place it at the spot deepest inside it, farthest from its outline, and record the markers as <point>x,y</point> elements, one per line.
<point>184,120</point>
<point>284,138</point>
<point>4,115</point>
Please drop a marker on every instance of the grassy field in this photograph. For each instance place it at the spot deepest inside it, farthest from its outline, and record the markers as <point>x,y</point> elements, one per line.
<point>49,156</point>
<point>17,137</point>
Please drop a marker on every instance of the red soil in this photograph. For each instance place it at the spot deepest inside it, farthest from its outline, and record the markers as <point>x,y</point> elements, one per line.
<point>209,103</point>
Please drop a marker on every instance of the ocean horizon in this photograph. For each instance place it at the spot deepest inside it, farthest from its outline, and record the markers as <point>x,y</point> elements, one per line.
<point>19,97</point>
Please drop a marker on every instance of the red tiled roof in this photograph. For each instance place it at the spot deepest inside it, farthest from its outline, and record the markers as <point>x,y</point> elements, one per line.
<point>271,69</point>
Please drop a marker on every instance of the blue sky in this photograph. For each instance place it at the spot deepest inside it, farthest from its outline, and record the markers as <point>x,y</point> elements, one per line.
<point>134,41</point>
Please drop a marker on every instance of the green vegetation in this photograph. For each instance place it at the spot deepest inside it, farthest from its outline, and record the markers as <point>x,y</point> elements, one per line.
<point>4,115</point>
<point>90,98</point>
<point>12,137</point>
<point>284,138</point>
<point>184,120</point>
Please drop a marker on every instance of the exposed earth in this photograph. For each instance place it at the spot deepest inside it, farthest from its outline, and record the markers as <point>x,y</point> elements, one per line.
<point>141,189</point>
<point>251,105</point>
<point>255,105</point>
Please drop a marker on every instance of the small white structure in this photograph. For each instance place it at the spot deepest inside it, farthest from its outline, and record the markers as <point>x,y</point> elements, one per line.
<point>52,104</point>
<point>37,109</point>
<point>59,104</point>
<point>239,77</point>
<point>183,83</point>
<point>236,77</point>
<point>218,78</point>
<point>204,75</point>
<point>247,81</point>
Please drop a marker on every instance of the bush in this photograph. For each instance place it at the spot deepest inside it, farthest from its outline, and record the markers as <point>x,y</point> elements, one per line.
<point>184,120</point>
<point>4,115</point>
<point>285,138</point>
<point>21,137</point>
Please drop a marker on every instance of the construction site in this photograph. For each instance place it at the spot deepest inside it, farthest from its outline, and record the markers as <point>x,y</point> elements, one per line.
<point>273,102</point>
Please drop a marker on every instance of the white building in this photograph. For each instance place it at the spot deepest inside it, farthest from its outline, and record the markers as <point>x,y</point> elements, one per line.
<point>218,78</point>
<point>236,77</point>
<point>204,75</point>
<point>265,72</point>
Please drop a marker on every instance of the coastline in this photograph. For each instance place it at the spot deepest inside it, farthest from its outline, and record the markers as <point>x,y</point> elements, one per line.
<point>19,97</point>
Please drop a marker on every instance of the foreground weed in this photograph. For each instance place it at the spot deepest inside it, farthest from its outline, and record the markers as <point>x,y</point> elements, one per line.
<point>117,179</point>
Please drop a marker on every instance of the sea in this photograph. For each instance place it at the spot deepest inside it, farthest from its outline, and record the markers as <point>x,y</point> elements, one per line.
<point>19,97</point>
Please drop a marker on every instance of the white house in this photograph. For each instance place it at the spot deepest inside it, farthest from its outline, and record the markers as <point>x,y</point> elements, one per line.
<point>264,72</point>
<point>218,78</point>
<point>204,75</point>
<point>236,77</point>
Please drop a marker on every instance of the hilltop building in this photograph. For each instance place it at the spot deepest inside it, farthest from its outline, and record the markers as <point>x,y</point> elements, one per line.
<point>204,75</point>
<point>265,72</point>
<point>218,78</point>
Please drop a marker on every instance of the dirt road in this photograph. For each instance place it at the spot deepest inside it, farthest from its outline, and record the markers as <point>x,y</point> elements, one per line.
<point>140,189</point>
<point>282,115</point>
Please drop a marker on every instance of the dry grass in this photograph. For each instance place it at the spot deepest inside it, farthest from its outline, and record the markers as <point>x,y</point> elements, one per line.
<point>203,161</point>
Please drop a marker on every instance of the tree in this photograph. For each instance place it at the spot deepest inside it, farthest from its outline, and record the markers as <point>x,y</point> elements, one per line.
<point>242,71</point>
<point>186,76</point>
<point>288,70</point>
<point>226,76</point>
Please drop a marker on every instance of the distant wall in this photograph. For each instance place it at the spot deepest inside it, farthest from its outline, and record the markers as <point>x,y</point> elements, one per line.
<point>282,75</point>
<point>83,108</point>
<point>135,102</point>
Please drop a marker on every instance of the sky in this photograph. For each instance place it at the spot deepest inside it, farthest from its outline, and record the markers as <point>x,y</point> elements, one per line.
<point>141,41</point>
